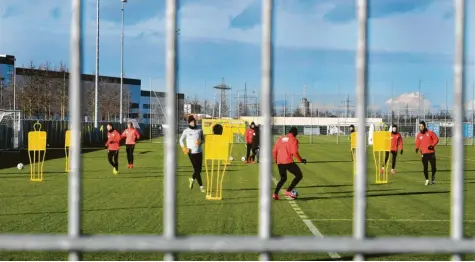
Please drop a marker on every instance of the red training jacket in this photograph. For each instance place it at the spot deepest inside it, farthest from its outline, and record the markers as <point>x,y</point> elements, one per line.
<point>249,135</point>
<point>285,149</point>
<point>130,135</point>
<point>423,141</point>
<point>113,140</point>
<point>396,142</point>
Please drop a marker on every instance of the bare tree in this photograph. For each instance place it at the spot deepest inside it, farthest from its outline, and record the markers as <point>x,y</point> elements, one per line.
<point>27,94</point>
<point>206,107</point>
<point>64,84</point>
<point>297,113</point>
<point>195,105</point>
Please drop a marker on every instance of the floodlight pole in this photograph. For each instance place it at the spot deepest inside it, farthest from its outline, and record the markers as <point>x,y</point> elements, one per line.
<point>122,62</point>
<point>96,84</point>
<point>14,84</point>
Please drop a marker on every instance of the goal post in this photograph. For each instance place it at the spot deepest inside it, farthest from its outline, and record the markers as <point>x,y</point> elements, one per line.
<point>10,130</point>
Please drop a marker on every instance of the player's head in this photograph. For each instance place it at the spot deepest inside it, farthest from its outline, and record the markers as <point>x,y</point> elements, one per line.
<point>352,128</point>
<point>191,122</point>
<point>253,125</point>
<point>293,131</point>
<point>130,125</point>
<point>110,128</point>
<point>422,126</point>
<point>394,129</point>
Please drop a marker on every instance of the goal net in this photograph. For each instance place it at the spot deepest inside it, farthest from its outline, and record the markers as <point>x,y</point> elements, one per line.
<point>158,121</point>
<point>10,130</point>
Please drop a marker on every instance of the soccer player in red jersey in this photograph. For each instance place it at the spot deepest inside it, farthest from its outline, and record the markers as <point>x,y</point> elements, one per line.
<point>113,147</point>
<point>284,150</point>
<point>249,136</point>
<point>426,141</point>
<point>131,136</point>
<point>396,145</point>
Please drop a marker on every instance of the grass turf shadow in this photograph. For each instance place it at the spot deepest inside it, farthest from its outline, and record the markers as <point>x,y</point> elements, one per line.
<point>11,158</point>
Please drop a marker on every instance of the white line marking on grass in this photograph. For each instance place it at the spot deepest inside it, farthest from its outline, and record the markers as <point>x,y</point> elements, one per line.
<point>307,222</point>
<point>449,157</point>
<point>389,220</point>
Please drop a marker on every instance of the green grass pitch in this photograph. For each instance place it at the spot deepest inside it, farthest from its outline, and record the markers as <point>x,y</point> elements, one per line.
<point>131,203</point>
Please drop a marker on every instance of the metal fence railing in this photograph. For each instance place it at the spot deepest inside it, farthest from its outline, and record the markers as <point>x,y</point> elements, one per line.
<point>263,243</point>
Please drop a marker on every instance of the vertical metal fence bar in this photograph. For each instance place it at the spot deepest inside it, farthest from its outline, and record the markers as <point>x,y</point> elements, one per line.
<point>169,214</point>
<point>458,139</point>
<point>359,207</point>
<point>265,229</point>
<point>75,112</point>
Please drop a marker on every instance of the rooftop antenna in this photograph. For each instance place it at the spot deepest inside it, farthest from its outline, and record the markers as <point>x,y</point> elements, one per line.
<point>347,103</point>
<point>223,99</point>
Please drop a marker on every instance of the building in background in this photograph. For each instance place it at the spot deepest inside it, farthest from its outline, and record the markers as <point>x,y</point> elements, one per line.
<point>192,108</point>
<point>304,107</point>
<point>42,94</point>
<point>7,65</point>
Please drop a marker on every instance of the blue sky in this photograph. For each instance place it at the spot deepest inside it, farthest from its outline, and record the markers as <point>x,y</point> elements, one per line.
<point>410,40</point>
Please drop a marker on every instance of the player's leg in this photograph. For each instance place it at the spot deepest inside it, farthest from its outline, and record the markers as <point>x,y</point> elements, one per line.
<point>110,158</point>
<point>393,163</point>
<point>198,166</point>
<point>253,154</point>
<point>132,149</point>
<point>116,160</point>
<point>386,158</point>
<point>113,157</point>
<point>283,179</point>
<point>295,170</point>
<point>248,152</point>
<point>191,180</point>
<point>425,165</point>
<point>433,166</point>
<point>127,150</point>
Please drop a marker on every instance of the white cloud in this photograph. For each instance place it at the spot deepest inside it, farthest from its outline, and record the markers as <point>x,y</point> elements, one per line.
<point>470,105</point>
<point>413,101</point>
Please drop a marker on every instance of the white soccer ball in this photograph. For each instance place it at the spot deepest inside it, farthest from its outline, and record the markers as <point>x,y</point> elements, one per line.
<point>231,158</point>
<point>243,159</point>
<point>19,166</point>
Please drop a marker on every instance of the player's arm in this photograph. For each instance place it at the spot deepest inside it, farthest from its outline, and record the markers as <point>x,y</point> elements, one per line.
<point>117,137</point>
<point>182,139</point>
<point>137,135</point>
<point>124,134</point>
<point>274,151</point>
<point>400,143</point>
<point>294,150</point>
<point>435,139</point>
<point>418,143</point>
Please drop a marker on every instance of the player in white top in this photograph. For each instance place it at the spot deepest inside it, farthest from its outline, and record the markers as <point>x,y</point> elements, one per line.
<point>190,141</point>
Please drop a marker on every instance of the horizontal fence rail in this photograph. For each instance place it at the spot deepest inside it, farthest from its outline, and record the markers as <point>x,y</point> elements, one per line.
<point>263,243</point>
<point>233,244</point>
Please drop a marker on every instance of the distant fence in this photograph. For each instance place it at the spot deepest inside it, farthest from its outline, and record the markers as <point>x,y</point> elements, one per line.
<point>308,133</point>
<point>91,137</point>
<point>56,131</point>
